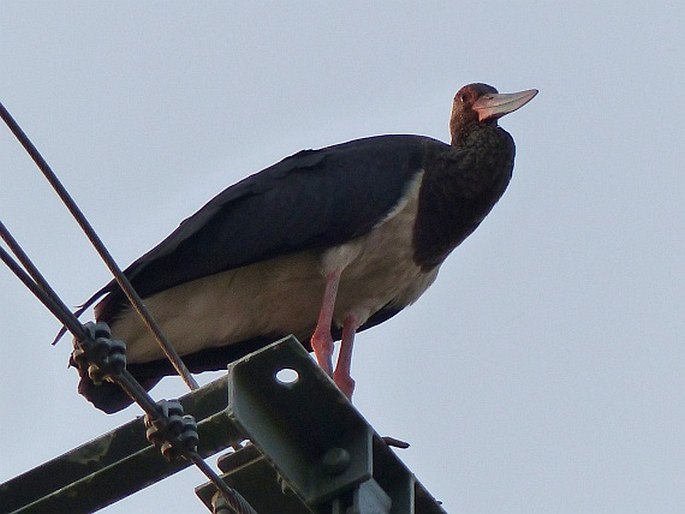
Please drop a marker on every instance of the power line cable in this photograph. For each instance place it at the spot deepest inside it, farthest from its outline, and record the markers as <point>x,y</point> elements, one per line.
<point>99,246</point>
<point>33,279</point>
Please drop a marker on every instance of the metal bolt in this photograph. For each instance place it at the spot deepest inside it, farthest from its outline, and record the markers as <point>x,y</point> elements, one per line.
<point>335,461</point>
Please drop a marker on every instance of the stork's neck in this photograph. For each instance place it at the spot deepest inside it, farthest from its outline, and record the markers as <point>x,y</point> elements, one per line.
<point>460,187</point>
<point>461,135</point>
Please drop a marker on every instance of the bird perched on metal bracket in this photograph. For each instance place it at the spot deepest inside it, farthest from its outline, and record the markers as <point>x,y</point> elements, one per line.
<point>321,245</point>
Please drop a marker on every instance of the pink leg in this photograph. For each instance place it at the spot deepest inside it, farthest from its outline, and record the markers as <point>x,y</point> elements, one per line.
<point>341,375</point>
<point>322,342</point>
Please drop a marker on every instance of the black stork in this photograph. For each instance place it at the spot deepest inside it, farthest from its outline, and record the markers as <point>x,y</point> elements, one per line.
<point>321,245</point>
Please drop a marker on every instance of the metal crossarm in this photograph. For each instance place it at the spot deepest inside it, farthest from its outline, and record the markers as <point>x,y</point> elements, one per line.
<point>117,464</point>
<point>310,450</point>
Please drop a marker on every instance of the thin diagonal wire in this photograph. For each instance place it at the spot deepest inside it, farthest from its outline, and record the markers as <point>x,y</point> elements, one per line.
<point>42,290</point>
<point>37,284</point>
<point>54,305</point>
<point>28,265</point>
<point>234,499</point>
<point>95,240</point>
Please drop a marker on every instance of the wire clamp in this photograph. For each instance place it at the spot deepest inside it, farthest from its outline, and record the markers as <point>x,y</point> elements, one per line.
<point>173,432</point>
<point>99,355</point>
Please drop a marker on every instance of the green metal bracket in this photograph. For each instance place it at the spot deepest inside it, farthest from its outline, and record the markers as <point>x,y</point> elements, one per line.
<point>307,428</point>
<point>310,450</point>
<point>118,463</point>
<point>311,446</point>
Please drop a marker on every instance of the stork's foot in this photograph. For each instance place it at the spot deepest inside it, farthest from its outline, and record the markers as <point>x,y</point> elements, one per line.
<point>344,382</point>
<point>342,374</point>
<point>322,344</point>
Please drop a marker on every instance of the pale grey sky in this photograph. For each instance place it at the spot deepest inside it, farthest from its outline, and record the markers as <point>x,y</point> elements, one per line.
<point>543,372</point>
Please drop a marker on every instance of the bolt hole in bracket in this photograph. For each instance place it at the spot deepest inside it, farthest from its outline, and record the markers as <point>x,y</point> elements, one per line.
<point>320,446</point>
<point>287,377</point>
<point>294,413</point>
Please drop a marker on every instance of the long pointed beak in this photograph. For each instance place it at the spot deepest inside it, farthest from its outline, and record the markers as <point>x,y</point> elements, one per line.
<point>493,106</point>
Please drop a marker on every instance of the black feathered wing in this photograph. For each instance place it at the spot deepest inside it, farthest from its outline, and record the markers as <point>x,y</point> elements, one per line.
<point>313,199</point>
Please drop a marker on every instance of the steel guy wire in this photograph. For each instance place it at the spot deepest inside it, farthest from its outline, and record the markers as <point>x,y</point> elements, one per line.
<point>37,284</point>
<point>105,255</point>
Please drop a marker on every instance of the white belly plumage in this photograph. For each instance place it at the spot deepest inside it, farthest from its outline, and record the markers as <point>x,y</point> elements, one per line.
<point>283,295</point>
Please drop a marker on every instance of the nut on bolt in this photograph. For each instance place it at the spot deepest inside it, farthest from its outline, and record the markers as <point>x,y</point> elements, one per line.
<point>335,461</point>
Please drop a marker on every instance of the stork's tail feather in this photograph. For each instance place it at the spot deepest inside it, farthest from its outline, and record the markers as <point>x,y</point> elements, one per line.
<point>80,310</point>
